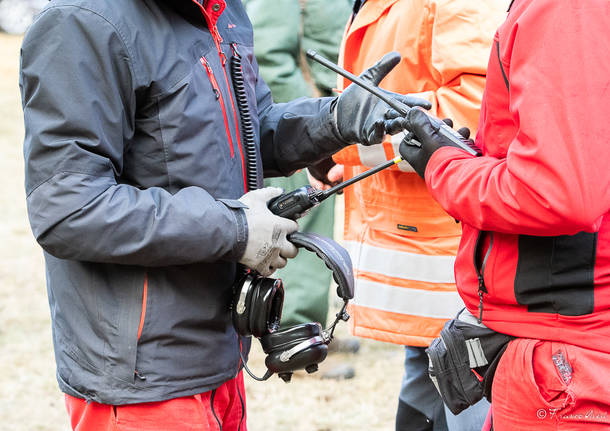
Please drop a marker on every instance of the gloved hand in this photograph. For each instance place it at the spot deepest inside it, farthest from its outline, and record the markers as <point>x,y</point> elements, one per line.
<point>359,115</point>
<point>320,171</point>
<point>423,130</point>
<point>267,248</point>
<point>331,178</point>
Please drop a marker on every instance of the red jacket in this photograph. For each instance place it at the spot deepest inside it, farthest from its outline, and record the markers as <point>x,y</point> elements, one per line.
<point>535,207</point>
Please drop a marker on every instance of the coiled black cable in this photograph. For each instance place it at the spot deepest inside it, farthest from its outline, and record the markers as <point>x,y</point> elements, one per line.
<point>246,120</point>
<point>239,88</point>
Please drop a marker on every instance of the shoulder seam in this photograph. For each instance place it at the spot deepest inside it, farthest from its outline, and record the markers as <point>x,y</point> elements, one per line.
<point>130,55</point>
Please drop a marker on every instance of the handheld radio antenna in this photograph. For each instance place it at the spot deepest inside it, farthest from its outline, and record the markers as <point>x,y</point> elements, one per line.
<point>395,104</point>
<point>443,129</point>
<point>295,204</point>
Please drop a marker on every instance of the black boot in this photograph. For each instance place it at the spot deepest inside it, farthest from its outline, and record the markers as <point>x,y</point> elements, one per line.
<point>410,419</point>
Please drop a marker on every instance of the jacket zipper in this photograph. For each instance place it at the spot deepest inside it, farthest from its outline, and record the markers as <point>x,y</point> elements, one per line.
<point>142,318</point>
<point>237,57</point>
<point>219,97</point>
<point>223,60</point>
<point>481,270</point>
<point>143,313</point>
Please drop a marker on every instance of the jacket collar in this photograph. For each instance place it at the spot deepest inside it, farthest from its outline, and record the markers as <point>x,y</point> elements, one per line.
<point>369,14</point>
<point>211,10</point>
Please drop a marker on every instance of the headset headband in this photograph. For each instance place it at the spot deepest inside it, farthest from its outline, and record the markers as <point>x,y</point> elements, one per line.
<point>334,256</point>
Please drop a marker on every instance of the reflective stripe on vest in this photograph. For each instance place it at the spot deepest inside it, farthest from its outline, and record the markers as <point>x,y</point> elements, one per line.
<point>401,264</point>
<point>415,302</point>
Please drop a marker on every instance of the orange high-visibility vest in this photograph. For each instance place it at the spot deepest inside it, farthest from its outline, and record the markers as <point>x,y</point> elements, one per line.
<point>402,243</point>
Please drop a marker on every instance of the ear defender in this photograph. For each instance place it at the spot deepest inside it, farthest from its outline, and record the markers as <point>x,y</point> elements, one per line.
<point>258,302</point>
<point>295,348</point>
<point>257,310</point>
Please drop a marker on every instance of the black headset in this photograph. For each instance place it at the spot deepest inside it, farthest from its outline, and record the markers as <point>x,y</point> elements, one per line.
<point>257,301</point>
<point>257,310</point>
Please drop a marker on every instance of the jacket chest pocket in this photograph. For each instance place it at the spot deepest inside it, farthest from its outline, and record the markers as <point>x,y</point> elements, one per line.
<point>227,107</point>
<point>232,80</point>
<point>199,132</point>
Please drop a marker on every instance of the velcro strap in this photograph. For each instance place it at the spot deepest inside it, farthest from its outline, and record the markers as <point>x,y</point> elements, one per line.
<point>476,355</point>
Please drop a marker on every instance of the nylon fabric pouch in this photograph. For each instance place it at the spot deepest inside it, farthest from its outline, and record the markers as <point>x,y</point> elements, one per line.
<point>463,360</point>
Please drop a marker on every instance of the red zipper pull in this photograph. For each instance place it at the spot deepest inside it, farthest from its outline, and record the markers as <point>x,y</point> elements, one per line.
<point>208,68</point>
<point>217,92</point>
<point>217,40</point>
<point>216,34</point>
<point>206,65</point>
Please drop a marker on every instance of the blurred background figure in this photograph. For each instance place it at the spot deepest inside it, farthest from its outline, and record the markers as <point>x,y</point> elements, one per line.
<point>283,31</point>
<point>17,15</point>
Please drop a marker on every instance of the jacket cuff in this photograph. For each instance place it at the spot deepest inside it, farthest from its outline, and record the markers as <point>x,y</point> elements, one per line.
<point>328,126</point>
<point>439,158</point>
<point>236,208</point>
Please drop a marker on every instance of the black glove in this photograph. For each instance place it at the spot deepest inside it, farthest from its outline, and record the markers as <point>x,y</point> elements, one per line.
<point>319,170</point>
<point>423,138</point>
<point>359,115</point>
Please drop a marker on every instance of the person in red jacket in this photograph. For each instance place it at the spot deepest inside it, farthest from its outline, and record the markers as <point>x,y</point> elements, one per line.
<point>534,259</point>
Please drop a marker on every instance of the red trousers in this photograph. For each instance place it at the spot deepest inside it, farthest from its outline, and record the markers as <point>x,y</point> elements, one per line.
<point>221,409</point>
<point>545,385</point>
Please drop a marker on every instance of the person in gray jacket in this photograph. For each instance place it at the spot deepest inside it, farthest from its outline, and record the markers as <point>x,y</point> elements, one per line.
<point>140,192</point>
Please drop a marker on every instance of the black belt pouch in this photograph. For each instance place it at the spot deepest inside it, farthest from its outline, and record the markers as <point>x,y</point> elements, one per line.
<point>463,361</point>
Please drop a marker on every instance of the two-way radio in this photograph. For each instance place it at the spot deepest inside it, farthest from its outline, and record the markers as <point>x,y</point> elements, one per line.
<point>401,108</point>
<point>295,204</point>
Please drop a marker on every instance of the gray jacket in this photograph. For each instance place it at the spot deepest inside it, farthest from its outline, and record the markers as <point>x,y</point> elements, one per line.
<point>133,170</point>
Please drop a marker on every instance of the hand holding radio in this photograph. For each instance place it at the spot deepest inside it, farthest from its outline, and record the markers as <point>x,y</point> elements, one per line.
<point>267,248</point>
<point>399,104</point>
<point>426,135</point>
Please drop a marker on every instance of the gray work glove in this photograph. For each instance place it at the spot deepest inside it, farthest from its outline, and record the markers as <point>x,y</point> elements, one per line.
<point>267,248</point>
<point>359,115</point>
